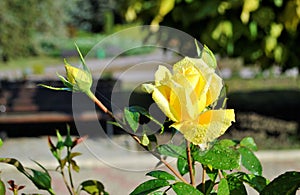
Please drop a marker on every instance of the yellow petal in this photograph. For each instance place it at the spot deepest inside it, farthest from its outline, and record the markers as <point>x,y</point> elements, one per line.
<point>161,96</point>
<point>217,122</point>
<point>162,75</point>
<point>214,89</point>
<point>211,125</point>
<point>71,72</point>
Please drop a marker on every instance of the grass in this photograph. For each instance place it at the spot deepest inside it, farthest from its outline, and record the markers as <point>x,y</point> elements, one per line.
<point>30,62</point>
<point>275,83</point>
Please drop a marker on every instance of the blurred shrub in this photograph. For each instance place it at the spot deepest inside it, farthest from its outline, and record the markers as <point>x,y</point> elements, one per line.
<point>264,32</point>
<point>22,20</point>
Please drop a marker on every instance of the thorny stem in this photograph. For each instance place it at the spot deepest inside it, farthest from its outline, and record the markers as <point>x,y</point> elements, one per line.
<point>190,163</point>
<point>105,110</point>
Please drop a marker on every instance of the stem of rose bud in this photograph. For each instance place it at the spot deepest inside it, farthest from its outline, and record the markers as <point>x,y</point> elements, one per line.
<point>105,110</point>
<point>99,103</point>
<point>190,163</point>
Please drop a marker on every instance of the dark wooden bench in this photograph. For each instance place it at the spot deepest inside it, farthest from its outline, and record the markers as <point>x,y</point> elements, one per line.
<point>24,102</point>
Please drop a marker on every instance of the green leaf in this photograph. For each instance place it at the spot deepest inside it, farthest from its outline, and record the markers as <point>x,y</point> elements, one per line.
<point>183,188</point>
<point>212,174</point>
<point>222,155</point>
<point>208,187</point>
<point>60,142</point>
<point>144,112</point>
<point>85,68</point>
<point>1,142</point>
<point>93,187</point>
<point>236,186</point>
<point>115,124</point>
<point>249,143</point>
<point>132,118</point>
<point>172,150</point>
<point>287,184</point>
<point>74,165</point>
<point>161,175</point>
<point>223,188</point>
<point>15,163</point>
<point>145,140</point>
<point>255,181</point>
<point>150,186</point>
<point>41,180</point>
<point>68,141</point>
<point>74,154</point>
<point>2,188</point>
<point>250,161</point>
<point>182,165</point>
<point>157,193</point>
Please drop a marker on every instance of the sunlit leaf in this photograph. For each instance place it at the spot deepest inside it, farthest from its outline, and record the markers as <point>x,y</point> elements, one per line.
<point>250,161</point>
<point>222,156</point>
<point>93,187</point>
<point>249,143</point>
<point>2,188</point>
<point>145,140</point>
<point>223,188</point>
<point>150,186</point>
<point>183,188</point>
<point>161,175</point>
<point>74,165</point>
<point>132,118</point>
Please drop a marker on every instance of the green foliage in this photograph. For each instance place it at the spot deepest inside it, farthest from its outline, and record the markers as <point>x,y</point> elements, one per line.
<point>223,188</point>
<point>2,188</point>
<point>150,186</point>
<point>264,32</point>
<point>183,188</point>
<point>222,155</point>
<point>287,183</point>
<point>21,21</point>
<point>42,179</point>
<point>93,187</point>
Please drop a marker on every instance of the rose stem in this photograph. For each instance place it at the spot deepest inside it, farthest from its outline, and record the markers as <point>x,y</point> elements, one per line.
<point>190,163</point>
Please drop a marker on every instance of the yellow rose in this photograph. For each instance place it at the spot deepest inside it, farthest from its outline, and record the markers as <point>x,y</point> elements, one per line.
<point>80,79</point>
<point>186,97</point>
